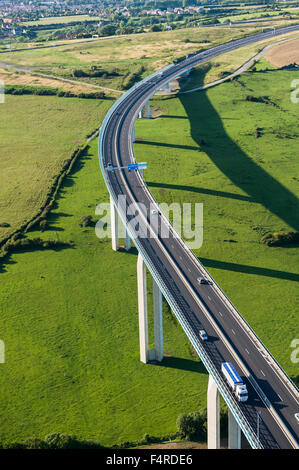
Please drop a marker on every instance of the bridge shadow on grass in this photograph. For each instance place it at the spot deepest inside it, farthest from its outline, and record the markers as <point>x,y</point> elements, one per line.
<point>241,170</point>
<point>182,364</point>
<point>194,189</point>
<point>243,268</point>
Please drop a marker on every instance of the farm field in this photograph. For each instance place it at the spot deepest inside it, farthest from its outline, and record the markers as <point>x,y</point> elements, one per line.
<point>203,148</point>
<point>38,134</point>
<point>228,63</point>
<point>143,53</point>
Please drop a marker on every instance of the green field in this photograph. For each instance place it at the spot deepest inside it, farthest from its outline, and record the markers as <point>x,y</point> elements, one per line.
<point>227,63</point>
<point>38,134</point>
<point>119,57</point>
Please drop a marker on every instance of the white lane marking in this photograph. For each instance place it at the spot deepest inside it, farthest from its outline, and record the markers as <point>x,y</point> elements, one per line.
<point>209,297</point>
<point>280,397</point>
<point>221,314</point>
<point>233,332</point>
<point>247,351</point>
<point>263,373</point>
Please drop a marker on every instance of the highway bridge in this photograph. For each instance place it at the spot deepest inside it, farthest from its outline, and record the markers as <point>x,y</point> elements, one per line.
<point>268,418</point>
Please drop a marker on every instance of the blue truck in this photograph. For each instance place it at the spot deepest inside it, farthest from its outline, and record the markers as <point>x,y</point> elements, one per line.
<point>234,381</point>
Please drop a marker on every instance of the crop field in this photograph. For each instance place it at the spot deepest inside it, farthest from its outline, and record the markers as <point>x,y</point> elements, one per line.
<point>205,147</point>
<point>38,134</point>
<point>228,63</point>
<point>284,54</point>
<point>12,77</point>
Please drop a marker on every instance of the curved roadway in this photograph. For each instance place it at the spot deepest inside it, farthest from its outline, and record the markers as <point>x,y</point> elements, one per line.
<point>273,398</point>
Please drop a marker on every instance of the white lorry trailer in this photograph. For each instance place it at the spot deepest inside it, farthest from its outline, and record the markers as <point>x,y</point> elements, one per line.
<point>234,381</point>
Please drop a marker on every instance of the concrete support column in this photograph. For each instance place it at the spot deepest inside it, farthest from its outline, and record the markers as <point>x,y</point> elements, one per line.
<point>213,415</point>
<point>148,109</point>
<point>234,432</point>
<point>114,225</point>
<point>142,309</point>
<point>158,322</point>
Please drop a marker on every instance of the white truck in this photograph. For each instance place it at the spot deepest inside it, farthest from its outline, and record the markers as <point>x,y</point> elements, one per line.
<point>234,381</point>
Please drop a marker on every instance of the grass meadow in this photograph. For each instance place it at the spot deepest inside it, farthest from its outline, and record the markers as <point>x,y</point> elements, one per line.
<point>203,148</point>
<point>125,54</point>
<point>70,325</point>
